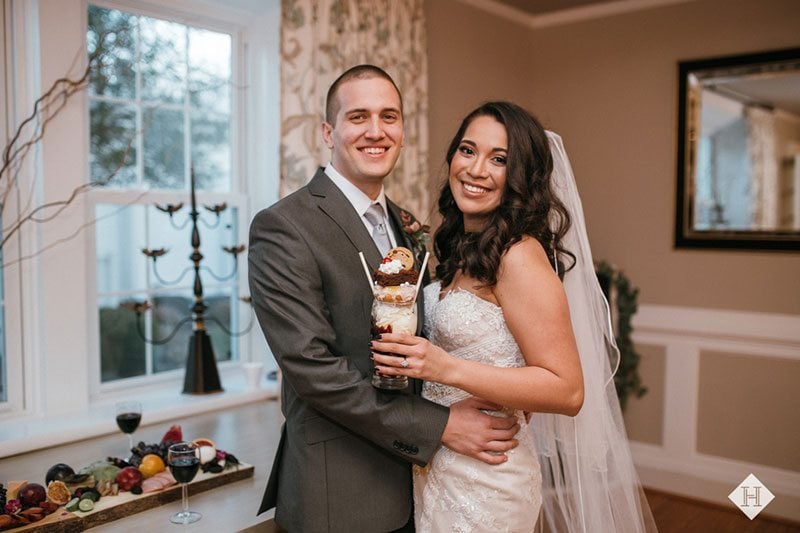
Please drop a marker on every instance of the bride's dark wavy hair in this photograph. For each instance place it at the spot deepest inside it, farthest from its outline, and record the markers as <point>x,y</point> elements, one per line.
<point>528,206</point>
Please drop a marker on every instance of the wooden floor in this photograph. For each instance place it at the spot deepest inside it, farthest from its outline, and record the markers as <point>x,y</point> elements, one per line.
<point>675,514</point>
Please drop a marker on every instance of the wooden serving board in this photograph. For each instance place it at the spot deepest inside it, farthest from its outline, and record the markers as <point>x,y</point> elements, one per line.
<point>110,508</point>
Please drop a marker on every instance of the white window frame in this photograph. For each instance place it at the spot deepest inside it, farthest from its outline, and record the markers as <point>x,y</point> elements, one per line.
<point>59,365</point>
<point>19,54</point>
<point>235,199</point>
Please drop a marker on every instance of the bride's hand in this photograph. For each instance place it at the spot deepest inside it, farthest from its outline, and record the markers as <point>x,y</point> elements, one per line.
<point>412,356</point>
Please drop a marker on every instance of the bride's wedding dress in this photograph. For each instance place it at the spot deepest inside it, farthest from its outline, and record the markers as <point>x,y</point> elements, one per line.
<point>455,492</point>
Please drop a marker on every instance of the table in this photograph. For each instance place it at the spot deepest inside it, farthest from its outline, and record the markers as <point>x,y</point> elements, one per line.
<point>250,431</point>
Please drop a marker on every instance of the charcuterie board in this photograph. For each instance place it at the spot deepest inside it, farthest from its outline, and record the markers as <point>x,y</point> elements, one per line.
<point>110,508</point>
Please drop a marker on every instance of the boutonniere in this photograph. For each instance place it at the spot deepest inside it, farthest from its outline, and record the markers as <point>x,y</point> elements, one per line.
<point>418,233</point>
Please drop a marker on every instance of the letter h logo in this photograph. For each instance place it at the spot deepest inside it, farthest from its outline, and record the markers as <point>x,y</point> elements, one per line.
<point>751,496</point>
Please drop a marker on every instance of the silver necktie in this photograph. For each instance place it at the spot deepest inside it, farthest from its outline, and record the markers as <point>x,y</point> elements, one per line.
<point>374,216</point>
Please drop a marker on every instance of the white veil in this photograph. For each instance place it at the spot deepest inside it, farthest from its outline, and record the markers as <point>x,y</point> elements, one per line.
<point>589,482</point>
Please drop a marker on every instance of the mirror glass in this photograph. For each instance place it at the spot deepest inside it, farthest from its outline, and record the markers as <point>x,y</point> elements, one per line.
<point>739,152</point>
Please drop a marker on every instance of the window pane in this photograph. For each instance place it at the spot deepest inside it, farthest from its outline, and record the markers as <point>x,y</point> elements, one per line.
<point>171,267</point>
<point>163,60</point>
<point>211,151</point>
<point>168,312</point>
<point>218,301</point>
<point>122,350</point>
<point>115,75</point>
<point>222,233</point>
<point>210,70</point>
<point>163,148</point>
<point>120,238</point>
<point>113,144</point>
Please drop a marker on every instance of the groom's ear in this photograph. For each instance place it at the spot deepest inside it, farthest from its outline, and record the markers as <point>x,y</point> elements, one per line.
<point>327,135</point>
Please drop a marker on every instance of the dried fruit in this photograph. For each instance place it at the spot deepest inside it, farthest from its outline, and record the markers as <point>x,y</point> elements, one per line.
<point>57,492</point>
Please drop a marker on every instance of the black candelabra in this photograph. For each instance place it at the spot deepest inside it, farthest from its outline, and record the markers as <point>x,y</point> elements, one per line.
<point>201,375</point>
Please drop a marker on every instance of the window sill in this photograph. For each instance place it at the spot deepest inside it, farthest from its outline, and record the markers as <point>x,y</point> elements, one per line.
<point>158,406</point>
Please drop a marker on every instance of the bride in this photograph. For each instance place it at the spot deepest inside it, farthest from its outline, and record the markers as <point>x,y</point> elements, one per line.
<point>502,326</point>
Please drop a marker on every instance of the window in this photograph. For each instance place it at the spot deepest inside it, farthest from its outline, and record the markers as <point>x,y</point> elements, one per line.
<point>64,272</point>
<point>160,107</point>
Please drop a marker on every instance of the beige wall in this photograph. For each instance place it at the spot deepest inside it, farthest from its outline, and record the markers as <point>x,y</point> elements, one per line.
<point>748,409</point>
<point>608,86</point>
<point>472,56</point>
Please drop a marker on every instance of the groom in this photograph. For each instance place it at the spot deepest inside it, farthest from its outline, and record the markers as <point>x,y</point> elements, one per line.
<point>343,462</point>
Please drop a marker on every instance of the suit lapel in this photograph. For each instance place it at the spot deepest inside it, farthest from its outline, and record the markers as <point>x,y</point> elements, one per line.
<point>333,203</point>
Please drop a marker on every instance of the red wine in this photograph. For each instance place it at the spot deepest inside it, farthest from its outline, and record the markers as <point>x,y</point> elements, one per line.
<point>184,468</point>
<point>128,422</point>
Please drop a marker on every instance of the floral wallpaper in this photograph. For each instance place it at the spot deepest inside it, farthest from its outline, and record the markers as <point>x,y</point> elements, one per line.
<point>320,39</point>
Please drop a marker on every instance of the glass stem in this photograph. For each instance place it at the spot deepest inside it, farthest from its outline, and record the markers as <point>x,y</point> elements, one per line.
<point>130,444</point>
<point>185,497</point>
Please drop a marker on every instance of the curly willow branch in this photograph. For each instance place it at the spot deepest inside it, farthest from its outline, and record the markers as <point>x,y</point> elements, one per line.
<point>13,155</point>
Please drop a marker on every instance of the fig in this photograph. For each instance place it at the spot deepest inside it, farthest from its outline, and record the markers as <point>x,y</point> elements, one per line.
<point>13,506</point>
<point>32,494</point>
<point>58,472</point>
<point>57,492</point>
<point>129,477</point>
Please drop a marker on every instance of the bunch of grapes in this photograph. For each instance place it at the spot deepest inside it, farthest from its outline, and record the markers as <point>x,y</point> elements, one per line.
<point>142,449</point>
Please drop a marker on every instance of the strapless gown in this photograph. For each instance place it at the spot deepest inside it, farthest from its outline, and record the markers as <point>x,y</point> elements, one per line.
<point>454,492</point>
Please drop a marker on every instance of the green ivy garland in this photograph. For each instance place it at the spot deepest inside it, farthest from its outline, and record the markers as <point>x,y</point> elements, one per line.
<point>618,289</point>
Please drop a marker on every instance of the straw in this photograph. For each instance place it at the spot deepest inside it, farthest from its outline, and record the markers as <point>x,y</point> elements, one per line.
<point>421,274</point>
<point>366,270</point>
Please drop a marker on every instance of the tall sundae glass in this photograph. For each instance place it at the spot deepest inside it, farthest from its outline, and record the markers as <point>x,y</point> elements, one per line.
<point>392,317</point>
<point>395,285</point>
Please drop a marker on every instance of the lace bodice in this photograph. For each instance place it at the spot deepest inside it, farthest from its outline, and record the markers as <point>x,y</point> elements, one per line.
<point>454,492</point>
<point>469,327</point>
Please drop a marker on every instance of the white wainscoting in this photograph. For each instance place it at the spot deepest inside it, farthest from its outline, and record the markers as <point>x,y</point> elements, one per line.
<point>676,466</point>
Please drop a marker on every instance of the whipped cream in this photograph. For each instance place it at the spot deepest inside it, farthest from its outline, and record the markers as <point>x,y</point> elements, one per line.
<point>391,267</point>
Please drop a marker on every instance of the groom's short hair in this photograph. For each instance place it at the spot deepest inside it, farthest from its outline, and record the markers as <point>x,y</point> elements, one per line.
<point>361,72</point>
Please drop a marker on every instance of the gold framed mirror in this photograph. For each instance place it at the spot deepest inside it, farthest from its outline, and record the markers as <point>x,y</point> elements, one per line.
<point>739,152</point>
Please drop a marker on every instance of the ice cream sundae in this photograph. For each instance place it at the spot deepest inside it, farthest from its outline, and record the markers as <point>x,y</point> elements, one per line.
<point>394,309</point>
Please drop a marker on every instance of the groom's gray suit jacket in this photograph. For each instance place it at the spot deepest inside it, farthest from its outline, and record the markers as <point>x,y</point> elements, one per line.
<point>343,462</point>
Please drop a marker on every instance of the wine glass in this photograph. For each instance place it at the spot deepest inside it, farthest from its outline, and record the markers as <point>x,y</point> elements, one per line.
<point>183,463</point>
<point>129,414</point>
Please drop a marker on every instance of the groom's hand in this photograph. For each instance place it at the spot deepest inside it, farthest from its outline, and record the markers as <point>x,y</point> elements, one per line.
<point>475,434</point>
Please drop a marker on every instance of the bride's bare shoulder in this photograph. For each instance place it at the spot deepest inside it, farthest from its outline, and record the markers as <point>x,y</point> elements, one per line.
<point>523,255</point>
